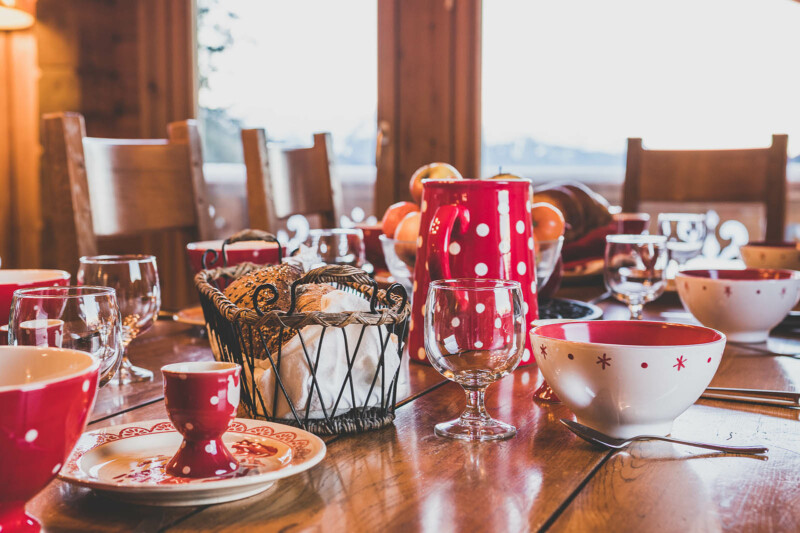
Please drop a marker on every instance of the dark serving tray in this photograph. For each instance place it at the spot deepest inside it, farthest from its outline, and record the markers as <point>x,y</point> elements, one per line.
<point>550,308</point>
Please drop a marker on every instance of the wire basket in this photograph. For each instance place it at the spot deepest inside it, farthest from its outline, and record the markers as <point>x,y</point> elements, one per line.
<point>238,334</point>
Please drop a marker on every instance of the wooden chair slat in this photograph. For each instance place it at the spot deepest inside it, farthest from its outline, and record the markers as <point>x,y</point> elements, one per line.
<point>756,175</point>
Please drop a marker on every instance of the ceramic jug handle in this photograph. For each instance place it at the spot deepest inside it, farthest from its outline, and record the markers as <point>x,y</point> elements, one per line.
<point>440,231</point>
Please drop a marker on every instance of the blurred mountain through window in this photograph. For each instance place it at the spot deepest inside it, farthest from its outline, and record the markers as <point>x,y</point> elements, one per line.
<point>565,83</point>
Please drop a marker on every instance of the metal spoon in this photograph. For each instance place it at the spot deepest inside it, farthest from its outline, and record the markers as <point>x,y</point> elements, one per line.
<point>595,437</point>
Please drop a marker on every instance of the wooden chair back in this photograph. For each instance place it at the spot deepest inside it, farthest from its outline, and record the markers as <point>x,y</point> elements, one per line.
<point>298,181</point>
<point>96,188</point>
<point>742,176</point>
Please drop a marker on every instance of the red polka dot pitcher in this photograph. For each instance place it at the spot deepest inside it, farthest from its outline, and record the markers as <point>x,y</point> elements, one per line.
<point>473,229</point>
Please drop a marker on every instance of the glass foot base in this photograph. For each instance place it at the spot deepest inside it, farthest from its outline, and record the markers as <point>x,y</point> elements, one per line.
<point>486,429</point>
<point>545,394</point>
<point>128,373</point>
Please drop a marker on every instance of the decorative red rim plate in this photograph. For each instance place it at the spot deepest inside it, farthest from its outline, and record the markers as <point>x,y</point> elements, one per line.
<point>295,449</point>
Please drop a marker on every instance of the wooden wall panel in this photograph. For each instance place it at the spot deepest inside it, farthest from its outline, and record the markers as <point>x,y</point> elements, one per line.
<point>128,66</point>
<point>429,89</point>
<point>20,211</point>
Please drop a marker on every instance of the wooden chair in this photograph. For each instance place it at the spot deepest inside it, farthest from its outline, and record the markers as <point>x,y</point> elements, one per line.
<point>94,189</point>
<point>298,181</point>
<point>740,176</point>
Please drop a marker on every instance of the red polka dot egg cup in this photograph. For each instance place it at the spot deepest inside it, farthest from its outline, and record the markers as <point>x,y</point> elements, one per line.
<point>627,378</point>
<point>743,304</point>
<point>201,400</point>
<point>46,395</point>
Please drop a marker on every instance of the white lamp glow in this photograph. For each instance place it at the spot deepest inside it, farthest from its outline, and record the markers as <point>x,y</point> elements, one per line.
<point>12,18</point>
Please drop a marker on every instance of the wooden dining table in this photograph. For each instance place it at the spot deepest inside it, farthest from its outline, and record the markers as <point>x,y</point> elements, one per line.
<point>404,478</point>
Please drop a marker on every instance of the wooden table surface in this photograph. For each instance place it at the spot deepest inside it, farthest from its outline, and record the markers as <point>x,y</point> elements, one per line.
<point>403,478</point>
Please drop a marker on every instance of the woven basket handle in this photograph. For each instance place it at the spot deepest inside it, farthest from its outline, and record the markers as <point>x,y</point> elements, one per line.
<point>336,274</point>
<point>241,236</point>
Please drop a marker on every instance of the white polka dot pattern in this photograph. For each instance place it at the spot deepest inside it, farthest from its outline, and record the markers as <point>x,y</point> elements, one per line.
<point>480,308</point>
<point>454,248</point>
<point>31,435</point>
<point>482,230</point>
<point>481,269</point>
<point>522,268</point>
<point>505,247</point>
<point>520,227</point>
<point>455,322</point>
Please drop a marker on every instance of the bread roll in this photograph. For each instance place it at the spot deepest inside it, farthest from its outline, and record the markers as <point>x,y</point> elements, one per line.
<point>241,291</point>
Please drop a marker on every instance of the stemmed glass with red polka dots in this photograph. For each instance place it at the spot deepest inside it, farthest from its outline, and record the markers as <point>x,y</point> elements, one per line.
<point>474,335</point>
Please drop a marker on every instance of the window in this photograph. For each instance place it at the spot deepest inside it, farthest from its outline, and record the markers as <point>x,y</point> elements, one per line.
<point>565,83</point>
<point>293,68</point>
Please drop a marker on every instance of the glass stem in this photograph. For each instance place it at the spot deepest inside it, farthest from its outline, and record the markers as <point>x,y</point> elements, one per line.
<point>636,311</point>
<point>476,408</point>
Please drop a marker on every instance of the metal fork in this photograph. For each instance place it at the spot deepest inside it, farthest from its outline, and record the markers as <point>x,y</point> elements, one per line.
<point>595,437</point>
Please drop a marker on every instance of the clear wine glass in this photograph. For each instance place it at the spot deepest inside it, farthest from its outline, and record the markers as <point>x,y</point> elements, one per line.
<point>685,232</point>
<point>635,269</point>
<point>135,278</point>
<point>80,318</point>
<point>337,246</point>
<point>474,335</point>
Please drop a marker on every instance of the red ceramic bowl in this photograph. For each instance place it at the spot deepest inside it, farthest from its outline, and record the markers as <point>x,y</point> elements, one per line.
<point>11,280</point>
<point>46,395</point>
<point>258,252</point>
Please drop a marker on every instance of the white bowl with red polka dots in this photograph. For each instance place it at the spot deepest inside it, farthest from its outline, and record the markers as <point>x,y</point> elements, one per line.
<point>627,378</point>
<point>743,304</point>
<point>785,255</point>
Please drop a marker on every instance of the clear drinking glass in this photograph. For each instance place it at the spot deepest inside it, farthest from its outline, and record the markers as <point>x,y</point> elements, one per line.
<point>337,246</point>
<point>474,335</point>
<point>685,233</point>
<point>79,318</point>
<point>135,278</point>
<point>635,269</point>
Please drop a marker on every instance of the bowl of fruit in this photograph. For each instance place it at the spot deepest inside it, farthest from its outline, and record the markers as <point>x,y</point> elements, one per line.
<point>400,226</point>
<point>548,238</point>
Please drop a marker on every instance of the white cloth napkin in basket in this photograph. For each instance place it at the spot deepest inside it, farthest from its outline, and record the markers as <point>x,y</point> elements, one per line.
<point>332,368</point>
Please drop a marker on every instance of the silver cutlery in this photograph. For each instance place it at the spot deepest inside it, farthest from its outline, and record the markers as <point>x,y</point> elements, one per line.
<point>767,397</point>
<point>595,437</point>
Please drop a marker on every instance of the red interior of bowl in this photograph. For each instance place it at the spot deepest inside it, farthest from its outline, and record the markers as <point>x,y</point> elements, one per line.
<point>776,244</point>
<point>748,274</point>
<point>629,333</point>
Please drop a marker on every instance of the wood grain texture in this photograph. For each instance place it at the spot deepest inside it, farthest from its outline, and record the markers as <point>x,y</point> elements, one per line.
<point>751,175</point>
<point>20,208</point>
<point>428,90</point>
<point>301,182</point>
<point>101,188</point>
<point>403,478</point>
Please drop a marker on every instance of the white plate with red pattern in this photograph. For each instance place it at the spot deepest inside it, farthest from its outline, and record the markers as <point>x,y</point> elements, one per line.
<point>127,462</point>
